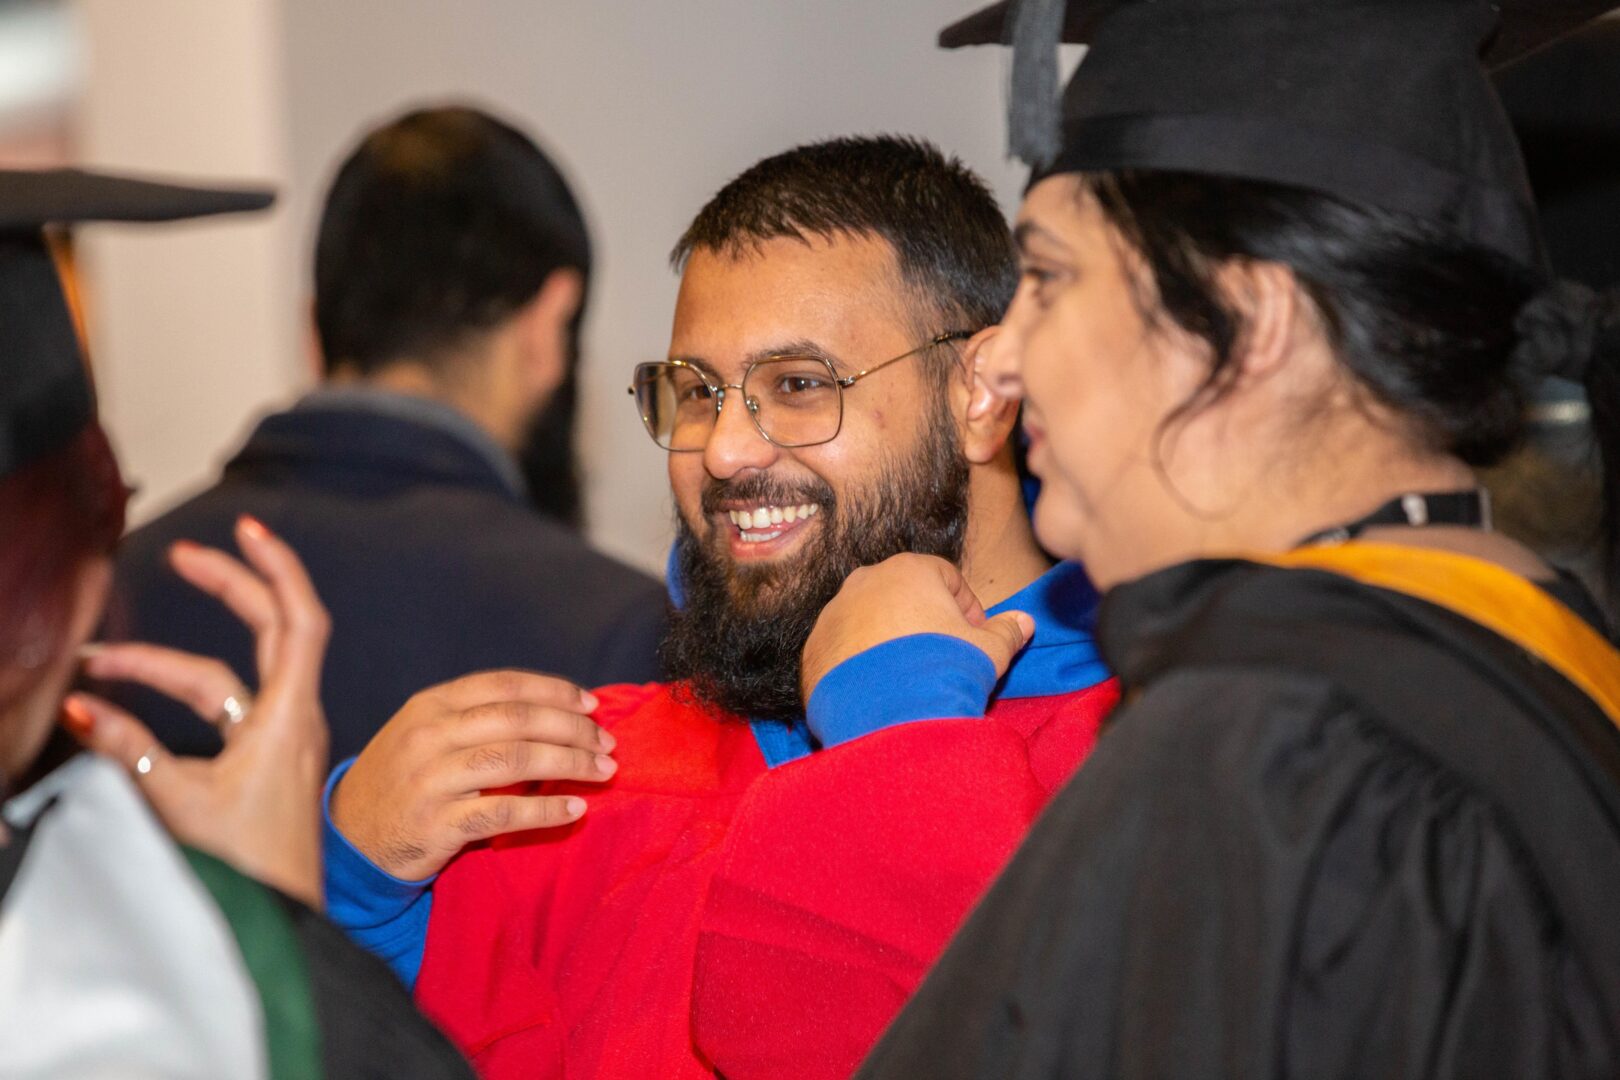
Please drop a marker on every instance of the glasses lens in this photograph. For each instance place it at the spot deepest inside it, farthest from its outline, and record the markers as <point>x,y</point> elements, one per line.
<point>795,399</point>
<point>676,405</point>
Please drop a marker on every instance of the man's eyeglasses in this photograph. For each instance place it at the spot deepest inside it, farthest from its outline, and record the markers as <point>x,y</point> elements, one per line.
<point>794,401</point>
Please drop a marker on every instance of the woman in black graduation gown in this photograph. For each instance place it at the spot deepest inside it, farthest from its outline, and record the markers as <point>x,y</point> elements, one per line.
<point>1360,812</point>
<point>185,943</point>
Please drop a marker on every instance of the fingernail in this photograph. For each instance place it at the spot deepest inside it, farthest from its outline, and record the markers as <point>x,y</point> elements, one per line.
<point>606,764</point>
<point>78,719</point>
<point>587,701</point>
<point>574,807</point>
<point>183,546</point>
<point>252,526</point>
<point>91,649</point>
<point>606,741</point>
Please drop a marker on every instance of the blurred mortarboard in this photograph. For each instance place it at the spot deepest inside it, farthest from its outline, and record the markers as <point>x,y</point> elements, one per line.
<point>45,395</point>
<point>1565,106</point>
<point>1385,103</point>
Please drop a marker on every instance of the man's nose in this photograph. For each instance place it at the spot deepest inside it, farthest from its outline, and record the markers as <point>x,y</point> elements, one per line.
<point>736,444</point>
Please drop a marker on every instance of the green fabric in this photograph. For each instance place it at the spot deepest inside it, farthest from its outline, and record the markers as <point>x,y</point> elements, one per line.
<point>275,961</point>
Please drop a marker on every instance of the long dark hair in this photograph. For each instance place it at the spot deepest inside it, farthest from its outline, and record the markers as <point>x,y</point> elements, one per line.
<point>56,514</point>
<point>1447,335</point>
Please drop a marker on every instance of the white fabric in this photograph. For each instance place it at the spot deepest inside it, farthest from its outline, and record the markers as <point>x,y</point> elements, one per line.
<point>114,960</point>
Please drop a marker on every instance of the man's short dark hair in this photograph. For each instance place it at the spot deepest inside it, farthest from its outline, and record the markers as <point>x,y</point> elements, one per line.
<point>949,236</point>
<point>441,225</point>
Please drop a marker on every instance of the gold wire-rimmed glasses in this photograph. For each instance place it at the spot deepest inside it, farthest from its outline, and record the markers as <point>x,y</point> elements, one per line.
<point>793,400</point>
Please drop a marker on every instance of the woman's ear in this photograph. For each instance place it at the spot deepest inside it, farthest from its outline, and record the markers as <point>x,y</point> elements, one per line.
<point>1266,297</point>
<point>90,591</point>
<point>988,418</point>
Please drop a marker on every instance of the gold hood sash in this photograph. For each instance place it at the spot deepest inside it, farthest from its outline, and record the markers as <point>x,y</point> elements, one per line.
<point>1488,594</point>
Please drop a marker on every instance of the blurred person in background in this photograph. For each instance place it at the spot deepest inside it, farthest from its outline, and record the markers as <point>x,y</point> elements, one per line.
<point>1565,106</point>
<point>451,271</point>
<point>185,942</point>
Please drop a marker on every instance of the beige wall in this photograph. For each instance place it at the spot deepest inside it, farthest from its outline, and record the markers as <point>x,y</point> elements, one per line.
<point>650,104</point>
<point>192,329</point>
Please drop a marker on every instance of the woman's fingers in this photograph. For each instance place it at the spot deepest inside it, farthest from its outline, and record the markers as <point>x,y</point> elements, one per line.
<point>203,684</point>
<point>238,588</point>
<point>113,733</point>
<point>273,595</point>
<point>304,621</point>
<point>494,815</point>
<point>498,765</point>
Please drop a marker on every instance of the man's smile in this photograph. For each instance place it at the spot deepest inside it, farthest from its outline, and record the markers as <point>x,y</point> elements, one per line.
<point>764,530</point>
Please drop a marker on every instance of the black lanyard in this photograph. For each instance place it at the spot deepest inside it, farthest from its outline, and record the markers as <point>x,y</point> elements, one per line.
<point>1471,509</point>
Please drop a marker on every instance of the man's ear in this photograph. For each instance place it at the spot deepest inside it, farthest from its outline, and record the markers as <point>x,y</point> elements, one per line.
<point>987,418</point>
<point>314,355</point>
<point>545,324</point>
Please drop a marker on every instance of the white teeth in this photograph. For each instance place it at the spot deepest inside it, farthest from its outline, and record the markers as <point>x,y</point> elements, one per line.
<point>767,516</point>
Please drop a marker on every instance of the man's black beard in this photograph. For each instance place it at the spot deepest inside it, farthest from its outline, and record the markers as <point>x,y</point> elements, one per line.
<point>738,640</point>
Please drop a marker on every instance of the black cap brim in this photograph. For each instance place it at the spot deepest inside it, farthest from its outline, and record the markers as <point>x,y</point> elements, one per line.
<point>45,395</point>
<point>32,198</point>
<point>1526,25</point>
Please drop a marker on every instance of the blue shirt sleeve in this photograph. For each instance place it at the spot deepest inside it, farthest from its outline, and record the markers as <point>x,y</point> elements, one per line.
<point>917,677</point>
<point>383,914</point>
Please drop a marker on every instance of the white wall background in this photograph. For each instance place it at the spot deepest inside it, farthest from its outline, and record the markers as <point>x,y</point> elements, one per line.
<point>650,105</point>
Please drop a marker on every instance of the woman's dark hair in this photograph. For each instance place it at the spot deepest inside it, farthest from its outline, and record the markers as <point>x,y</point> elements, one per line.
<point>1447,335</point>
<point>56,514</point>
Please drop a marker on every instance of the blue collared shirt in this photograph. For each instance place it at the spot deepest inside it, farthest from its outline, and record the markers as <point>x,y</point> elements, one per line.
<point>930,676</point>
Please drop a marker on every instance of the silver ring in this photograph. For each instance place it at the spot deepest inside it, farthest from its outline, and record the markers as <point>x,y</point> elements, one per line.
<point>234,709</point>
<point>143,764</point>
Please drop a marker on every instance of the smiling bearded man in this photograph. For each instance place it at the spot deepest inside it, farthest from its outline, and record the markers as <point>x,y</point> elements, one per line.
<point>757,885</point>
<point>737,636</point>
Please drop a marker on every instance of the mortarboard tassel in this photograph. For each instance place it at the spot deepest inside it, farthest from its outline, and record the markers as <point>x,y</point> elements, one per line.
<point>1033,126</point>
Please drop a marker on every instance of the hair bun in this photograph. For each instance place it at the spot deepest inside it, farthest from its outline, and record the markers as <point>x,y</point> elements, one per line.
<point>1558,329</point>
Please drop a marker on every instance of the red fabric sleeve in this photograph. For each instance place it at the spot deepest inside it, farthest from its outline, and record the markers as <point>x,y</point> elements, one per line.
<point>846,872</point>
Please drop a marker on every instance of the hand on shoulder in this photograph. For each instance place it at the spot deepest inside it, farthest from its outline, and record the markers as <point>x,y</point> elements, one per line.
<point>901,596</point>
<point>416,795</point>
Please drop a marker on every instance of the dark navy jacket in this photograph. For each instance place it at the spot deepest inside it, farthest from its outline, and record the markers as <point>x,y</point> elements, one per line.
<point>415,530</point>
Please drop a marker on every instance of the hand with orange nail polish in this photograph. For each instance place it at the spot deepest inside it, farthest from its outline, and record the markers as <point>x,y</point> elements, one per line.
<point>257,804</point>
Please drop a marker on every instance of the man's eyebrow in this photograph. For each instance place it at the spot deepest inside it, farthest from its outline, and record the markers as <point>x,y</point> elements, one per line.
<point>800,347</point>
<point>702,365</point>
<point>796,347</point>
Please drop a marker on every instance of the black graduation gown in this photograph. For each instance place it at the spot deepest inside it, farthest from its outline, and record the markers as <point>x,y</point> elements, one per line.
<point>1336,831</point>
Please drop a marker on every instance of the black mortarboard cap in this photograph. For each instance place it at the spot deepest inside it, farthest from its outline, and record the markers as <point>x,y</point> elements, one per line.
<point>1385,103</point>
<point>45,396</point>
<point>1565,106</point>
